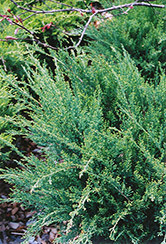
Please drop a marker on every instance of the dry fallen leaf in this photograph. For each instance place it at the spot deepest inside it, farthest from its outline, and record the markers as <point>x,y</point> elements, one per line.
<point>14,210</point>
<point>14,225</point>
<point>51,237</point>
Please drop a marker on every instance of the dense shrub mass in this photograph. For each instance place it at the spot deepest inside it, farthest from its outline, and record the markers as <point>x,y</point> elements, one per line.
<point>99,120</point>
<point>9,108</point>
<point>142,34</point>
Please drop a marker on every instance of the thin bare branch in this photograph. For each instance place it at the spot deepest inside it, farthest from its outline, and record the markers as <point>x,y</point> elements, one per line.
<point>43,44</point>
<point>85,28</point>
<point>23,27</point>
<point>46,4</point>
<point>72,9</point>
<point>3,62</point>
<point>131,4</point>
<point>28,16</point>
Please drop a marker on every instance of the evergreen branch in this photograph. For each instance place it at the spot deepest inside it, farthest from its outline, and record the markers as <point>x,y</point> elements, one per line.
<point>130,115</point>
<point>63,4</point>
<point>111,180</point>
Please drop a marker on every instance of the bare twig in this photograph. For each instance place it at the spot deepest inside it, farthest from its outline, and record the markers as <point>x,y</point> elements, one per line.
<point>23,27</point>
<point>46,5</point>
<point>3,62</point>
<point>83,32</point>
<point>28,16</point>
<point>131,4</point>
<point>72,9</point>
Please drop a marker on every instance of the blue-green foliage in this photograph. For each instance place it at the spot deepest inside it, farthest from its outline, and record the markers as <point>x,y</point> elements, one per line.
<point>100,179</point>
<point>100,122</point>
<point>141,32</point>
<point>9,108</point>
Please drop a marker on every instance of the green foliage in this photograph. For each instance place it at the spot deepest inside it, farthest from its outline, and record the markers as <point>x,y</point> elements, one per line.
<point>8,110</point>
<point>64,28</point>
<point>98,74</point>
<point>99,120</point>
<point>64,25</point>
<point>13,54</point>
<point>141,32</point>
<point>104,181</point>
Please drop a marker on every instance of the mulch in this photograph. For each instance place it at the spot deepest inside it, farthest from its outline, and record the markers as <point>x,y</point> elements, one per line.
<point>14,220</point>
